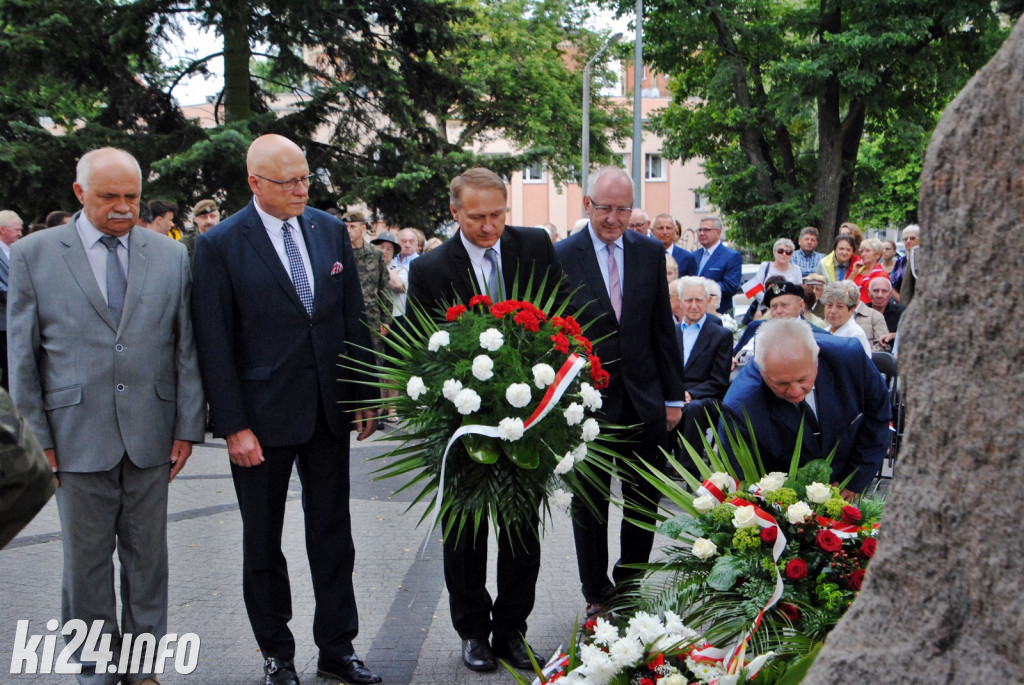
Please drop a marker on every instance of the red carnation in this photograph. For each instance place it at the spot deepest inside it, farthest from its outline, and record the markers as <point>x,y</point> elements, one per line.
<point>829,541</point>
<point>770,534</point>
<point>790,611</point>
<point>796,569</point>
<point>561,343</point>
<point>851,515</point>
<point>479,299</point>
<point>590,625</point>
<point>527,320</point>
<point>856,579</point>
<point>595,366</point>
<point>557,321</point>
<point>500,309</point>
<point>602,382</point>
<point>571,327</point>
<point>584,343</point>
<point>455,312</point>
<point>868,547</point>
<point>657,662</point>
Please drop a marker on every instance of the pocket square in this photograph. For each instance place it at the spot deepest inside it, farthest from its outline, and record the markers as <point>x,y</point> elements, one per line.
<point>337,268</point>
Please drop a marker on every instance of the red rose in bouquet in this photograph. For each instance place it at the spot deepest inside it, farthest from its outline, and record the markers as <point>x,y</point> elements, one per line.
<point>856,579</point>
<point>796,569</point>
<point>769,535</point>
<point>851,515</point>
<point>868,547</point>
<point>829,541</point>
<point>790,611</point>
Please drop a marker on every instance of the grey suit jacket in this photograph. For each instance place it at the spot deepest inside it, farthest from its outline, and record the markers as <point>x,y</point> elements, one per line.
<point>4,271</point>
<point>92,392</point>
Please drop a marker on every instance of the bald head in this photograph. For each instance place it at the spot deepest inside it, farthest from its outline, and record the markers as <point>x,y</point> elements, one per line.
<point>278,176</point>
<point>880,290</point>
<point>108,184</point>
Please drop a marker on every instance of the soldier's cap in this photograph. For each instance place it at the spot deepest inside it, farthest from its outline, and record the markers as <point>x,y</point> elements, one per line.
<point>387,237</point>
<point>784,288</point>
<point>204,207</point>
<point>354,218</point>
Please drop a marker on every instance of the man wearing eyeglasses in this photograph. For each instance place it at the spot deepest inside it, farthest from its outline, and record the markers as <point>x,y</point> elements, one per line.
<point>619,277</point>
<point>718,262</point>
<point>639,221</point>
<point>281,301</point>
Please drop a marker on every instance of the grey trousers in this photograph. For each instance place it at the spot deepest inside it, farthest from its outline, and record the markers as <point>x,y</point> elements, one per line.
<point>125,509</point>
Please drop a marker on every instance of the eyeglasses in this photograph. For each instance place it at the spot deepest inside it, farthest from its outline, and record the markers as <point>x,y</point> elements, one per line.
<point>288,186</point>
<point>609,209</point>
<point>707,230</point>
<point>633,226</point>
<point>783,250</point>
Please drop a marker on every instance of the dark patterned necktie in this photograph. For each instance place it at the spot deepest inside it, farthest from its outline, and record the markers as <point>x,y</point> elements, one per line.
<point>117,283</point>
<point>298,270</point>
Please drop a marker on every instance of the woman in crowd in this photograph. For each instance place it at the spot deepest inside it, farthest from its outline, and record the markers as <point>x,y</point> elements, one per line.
<point>869,267</point>
<point>841,299</point>
<point>780,265</point>
<point>852,230</point>
<point>888,261</point>
<point>836,265</point>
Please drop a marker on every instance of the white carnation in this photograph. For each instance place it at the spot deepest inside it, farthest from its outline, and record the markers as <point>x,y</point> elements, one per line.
<point>450,389</point>
<point>482,367</point>
<point>819,493</point>
<point>466,401</point>
<point>560,499</point>
<point>704,549</point>
<point>773,481</point>
<point>592,655</point>
<point>605,633</point>
<point>510,429</point>
<point>580,453</point>
<point>591,396</point>
<point>543,375</point>
<point>573,414</point>
<point>625,651</point>
<point>518,395</point>
<point>704,503</point>
<point>438,340</point>
<point>492,340</point>
<point>590,430</point>
<point>415,387</point>
<point>798,513</point>
<point>565,464</point>
<point>674,624</point>
<point>722,481</point>
<point>646,627</point>
<point>744,517</point>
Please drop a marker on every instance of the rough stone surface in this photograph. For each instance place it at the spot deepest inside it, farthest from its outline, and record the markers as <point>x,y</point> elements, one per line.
<point>942,602</point>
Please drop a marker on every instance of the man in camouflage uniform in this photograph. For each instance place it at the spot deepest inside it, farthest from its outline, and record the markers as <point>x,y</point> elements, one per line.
<point>26,480</point>
<point>373,275</point>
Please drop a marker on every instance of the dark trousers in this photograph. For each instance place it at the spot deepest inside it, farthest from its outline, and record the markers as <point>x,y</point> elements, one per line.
<point>590,529</point>
<point>474,615</point>
<point>698,416</point>
<point>324,473</point>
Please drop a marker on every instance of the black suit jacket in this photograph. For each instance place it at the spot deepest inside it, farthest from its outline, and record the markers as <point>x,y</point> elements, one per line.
<point>266,363</point>
<point>444,276</point>
<point>639,352</point>
<point>706,373</point>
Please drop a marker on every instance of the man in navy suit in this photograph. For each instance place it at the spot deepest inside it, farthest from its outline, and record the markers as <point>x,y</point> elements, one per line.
<point>718,262</point>
<point>619,277</point>
<point>706,351</point>
<point>452,274</point>
<point>664,231</point>
<point>824,381</point>
<point>280,302</point>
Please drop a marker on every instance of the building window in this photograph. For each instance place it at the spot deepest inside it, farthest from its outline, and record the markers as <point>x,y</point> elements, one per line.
<point>654,168</point>
<point>700,202</point>
<point>535,174</point>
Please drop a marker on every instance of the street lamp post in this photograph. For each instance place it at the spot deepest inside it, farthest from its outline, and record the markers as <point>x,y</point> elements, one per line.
<point>638,139</point>
<point>586,109</point>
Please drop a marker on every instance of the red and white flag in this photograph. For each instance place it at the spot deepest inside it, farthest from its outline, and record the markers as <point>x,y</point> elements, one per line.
<point>753,288</point>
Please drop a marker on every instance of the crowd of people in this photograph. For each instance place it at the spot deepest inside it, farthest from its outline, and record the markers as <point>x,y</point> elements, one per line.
<point>119,370</point>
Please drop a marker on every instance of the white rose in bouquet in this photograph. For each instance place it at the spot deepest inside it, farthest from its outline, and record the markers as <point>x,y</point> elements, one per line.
<point>573,414</point>
<point>590,430</point>
<point>704,549</point>
<point>722,481</point>
<point>518,395</point>
<point>591,396</point>
<point>450,389</point>
<point>704,503</point>
<point>438,340</point>
<point>510,429</point>
<point>543,375</point>
<point>819,493</point>
<point>466,401</point>
<point>744,517</point>
<point>482,367</point>
<point>492,340</point>
<point>798,513</point>
<point>773,481</point>
<point>415,387</point>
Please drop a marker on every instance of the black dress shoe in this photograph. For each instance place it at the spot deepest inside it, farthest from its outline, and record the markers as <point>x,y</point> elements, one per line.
<point>348,669</point>
<point>477,655</point>
<point>513,650</point>
<point>280,671</point>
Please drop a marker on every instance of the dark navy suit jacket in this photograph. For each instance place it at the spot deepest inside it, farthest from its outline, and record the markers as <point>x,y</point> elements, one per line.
<point>725,266</point>
<point>706,373</point>
<point>639,352</point>
<point>684,261</point>
<point>852,408</point>
<point>266,363</point>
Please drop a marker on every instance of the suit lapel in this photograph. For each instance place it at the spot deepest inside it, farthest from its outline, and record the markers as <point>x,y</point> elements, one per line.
<point>700,343</point>
<point>81,271</point>
<point>465,284</point>
<point>318,253</point>
<point>256,233</point>
<point>137,269</point>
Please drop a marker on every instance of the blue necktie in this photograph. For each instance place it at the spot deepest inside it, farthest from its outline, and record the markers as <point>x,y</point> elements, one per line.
<point>703,261</point>
<point>298,270</point>
<point>117,284</point>
<point>494,280</point>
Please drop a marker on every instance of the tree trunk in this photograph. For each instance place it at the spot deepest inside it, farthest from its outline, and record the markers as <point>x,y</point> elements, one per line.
<point>235,27</point>
<point>942,601</point>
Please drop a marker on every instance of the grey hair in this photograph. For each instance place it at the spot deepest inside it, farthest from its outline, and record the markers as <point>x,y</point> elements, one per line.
<point>9,218</point>
<point>784,242</point>
<point>912,227</point>
<point>84,168</point>
<point>843,292</point>
<point>608,171</point>
<point>783,334</point>
<point>714,287</point>
<point>693,281</point>
<point>873,244</point>
<point>713,219</point>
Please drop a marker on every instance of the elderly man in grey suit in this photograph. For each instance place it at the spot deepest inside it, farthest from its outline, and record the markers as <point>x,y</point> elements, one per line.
<point>103,367</point>
<point>10,230</point>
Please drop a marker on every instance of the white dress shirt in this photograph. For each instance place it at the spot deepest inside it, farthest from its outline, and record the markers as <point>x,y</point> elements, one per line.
<point>274,226</point>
